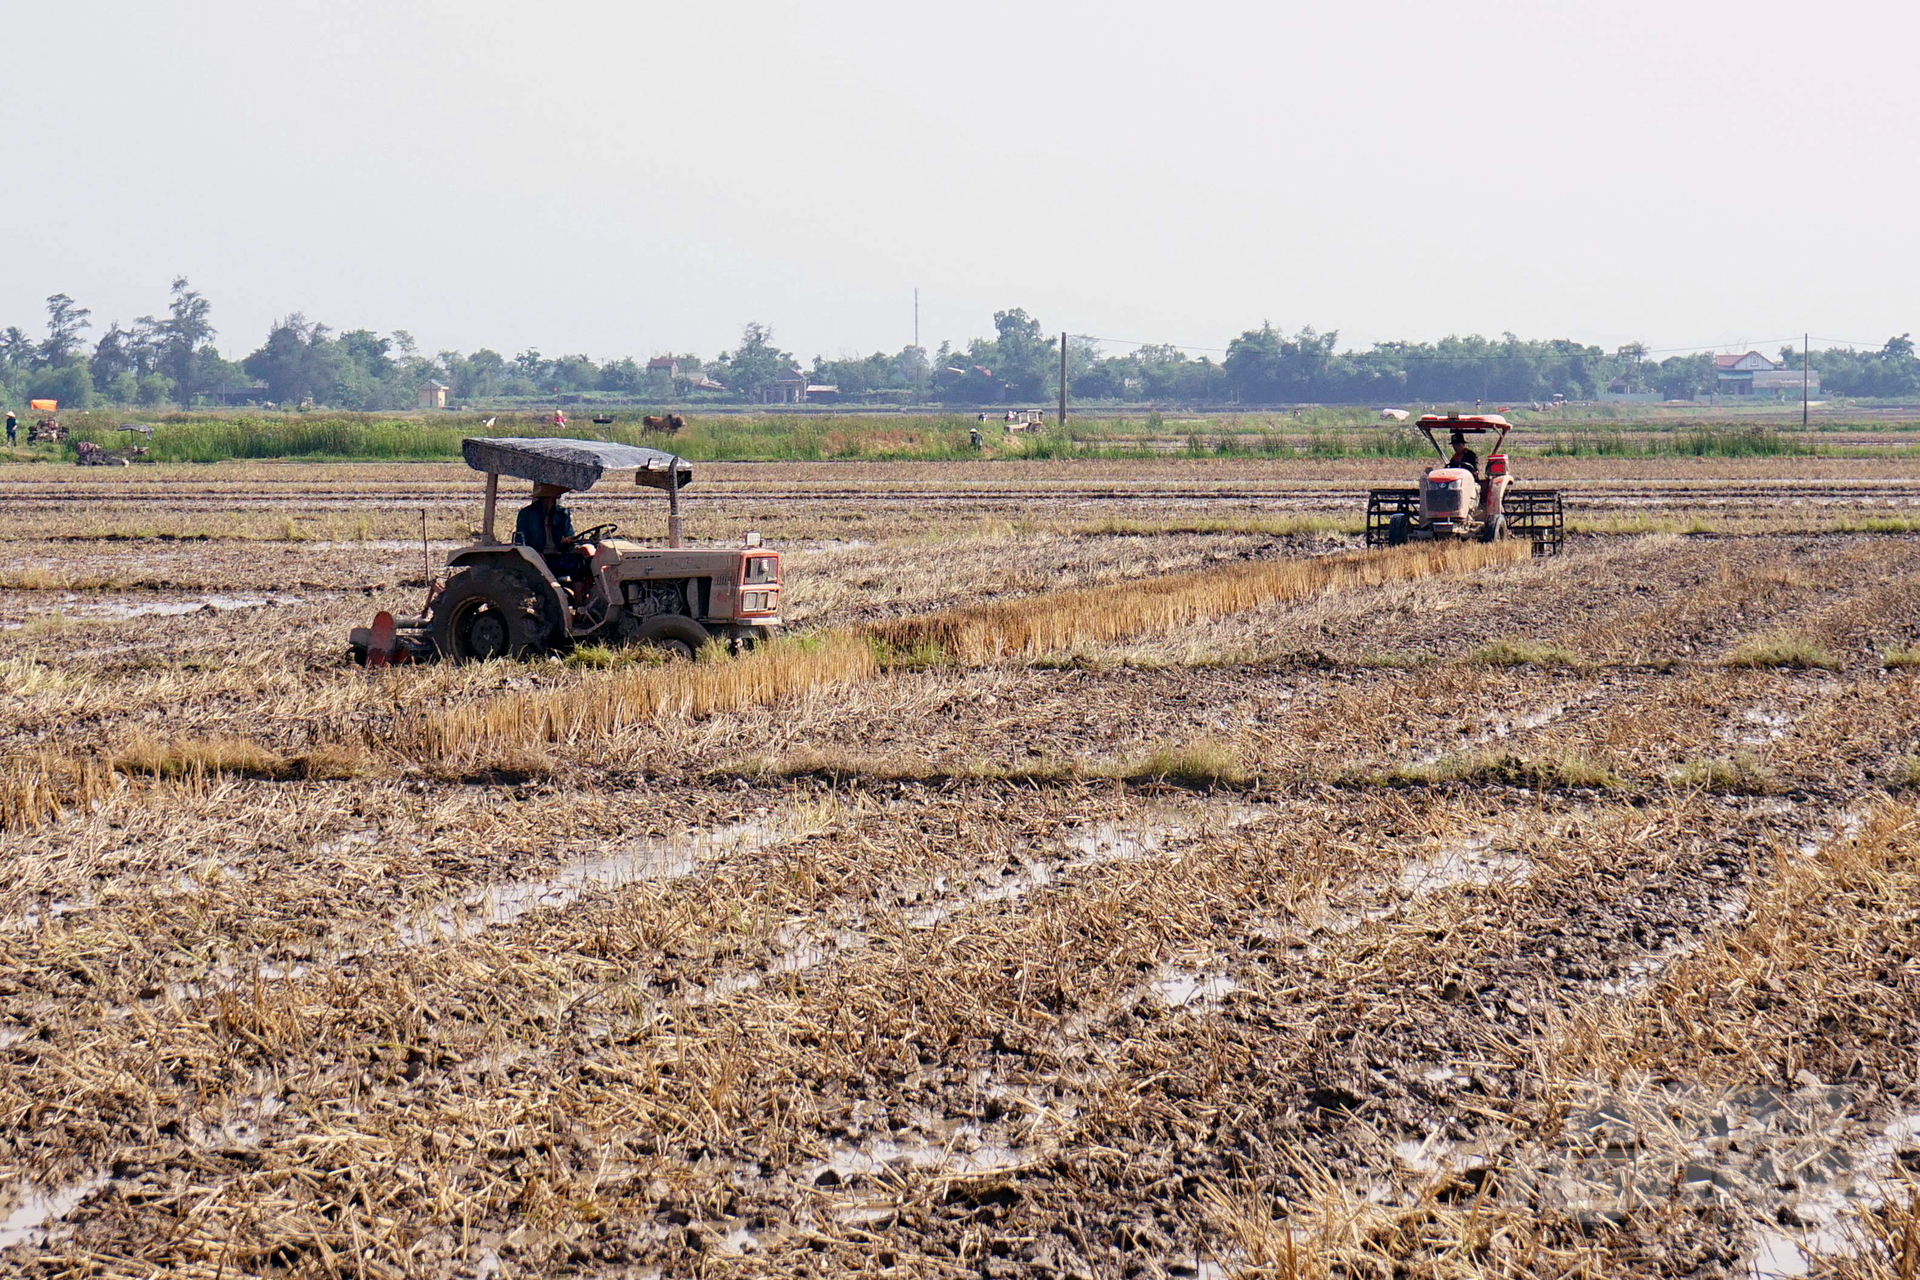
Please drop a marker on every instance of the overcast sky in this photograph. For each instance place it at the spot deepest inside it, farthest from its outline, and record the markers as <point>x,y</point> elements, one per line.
<point>631,178</point>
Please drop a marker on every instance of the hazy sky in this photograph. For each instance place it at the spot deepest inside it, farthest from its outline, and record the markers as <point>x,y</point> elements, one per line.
<point>614,178</point>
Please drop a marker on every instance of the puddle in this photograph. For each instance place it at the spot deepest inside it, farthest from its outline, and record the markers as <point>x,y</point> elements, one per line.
<point>656,859</point>
<point>1770,726</point>
<point>1179,988</point>
<point>1641,974</point>
<point>663,858</point>
<point>1088,847</point>
<point>1472,864</point>
<point>377,544</point>
<point>37,1209</point>
<point>173,608</point>
<point>1505,728</point>
<point>738,1240</point>
<point>52,911</point>
<point>882,1155</point>
<point>1832,1193</point>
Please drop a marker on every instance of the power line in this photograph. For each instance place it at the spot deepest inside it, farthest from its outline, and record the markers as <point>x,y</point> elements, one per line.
<point>1848,342</point>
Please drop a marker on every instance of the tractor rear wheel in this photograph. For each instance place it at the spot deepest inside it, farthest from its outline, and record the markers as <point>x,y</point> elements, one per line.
<point>482,616</point>
<point>1397,531</point>
<point>674,634</point>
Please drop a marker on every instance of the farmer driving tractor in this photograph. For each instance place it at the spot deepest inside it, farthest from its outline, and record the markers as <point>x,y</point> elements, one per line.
<point>1462,456</point>
<point>547,527</point>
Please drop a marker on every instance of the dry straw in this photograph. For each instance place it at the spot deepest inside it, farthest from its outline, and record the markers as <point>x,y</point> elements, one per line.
<point>1092,615</point>
<point>1031,625</point>
<point>606,703</point>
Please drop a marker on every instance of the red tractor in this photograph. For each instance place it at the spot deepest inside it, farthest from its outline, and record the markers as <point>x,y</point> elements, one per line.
<point>1464,500</point>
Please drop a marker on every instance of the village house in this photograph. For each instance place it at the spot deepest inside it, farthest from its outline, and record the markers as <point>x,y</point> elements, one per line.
<point>1744,375</point>
<point>433,394</point>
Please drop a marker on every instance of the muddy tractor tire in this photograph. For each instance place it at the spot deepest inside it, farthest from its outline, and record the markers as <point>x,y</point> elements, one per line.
<point>484,615</point>
<point>1397,531</point>
<point>673,634</point>
<point>1495,530</point>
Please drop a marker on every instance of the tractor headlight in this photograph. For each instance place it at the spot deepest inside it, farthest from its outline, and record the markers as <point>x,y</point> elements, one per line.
<point>756,601</point>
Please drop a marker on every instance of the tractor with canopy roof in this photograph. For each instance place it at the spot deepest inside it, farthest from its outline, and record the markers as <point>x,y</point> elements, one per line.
<point>504,600</point>
<point>1461,502</point>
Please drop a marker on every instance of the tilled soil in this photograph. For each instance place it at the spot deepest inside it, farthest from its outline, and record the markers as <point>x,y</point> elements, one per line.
<point>1270,945</point>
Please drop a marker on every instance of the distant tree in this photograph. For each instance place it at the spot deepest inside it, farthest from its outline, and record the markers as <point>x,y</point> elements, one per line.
<point>66,320</point>
<point>914,371</point>
<point>368,351</point>
<point>487,374</point>
<point>575,373</point>
<point>113,358</point>
<point>1900,348</point>
<point>16,349</point>
<point>623,376</point>
<point>68,383</point>
<point>153,391</point>
<point>123,388</point>
<point>186,329</point>
<point>146,345</point>
<point>298,362</point>
<point>1022,355</point>
<point>1255,365</point>
<point>755,363</point>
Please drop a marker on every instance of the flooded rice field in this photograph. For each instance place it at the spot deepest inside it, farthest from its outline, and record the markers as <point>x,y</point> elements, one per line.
<point>1485,917</point>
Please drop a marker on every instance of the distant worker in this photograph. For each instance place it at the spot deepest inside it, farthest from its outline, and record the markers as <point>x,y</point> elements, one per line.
<point>1464,457</point>
<point>559,420</point>
<point>973,437</point>
<point>13,428</point>
<point>546,527</point>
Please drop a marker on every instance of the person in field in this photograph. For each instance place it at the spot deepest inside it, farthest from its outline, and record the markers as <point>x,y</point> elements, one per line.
<point>1463,456</point>
<point>13,427</point>
<point>546,527</point>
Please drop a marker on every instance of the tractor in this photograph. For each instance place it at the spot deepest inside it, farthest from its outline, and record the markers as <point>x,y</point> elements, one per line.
<point>1461,503</point>
<point>503,600</point>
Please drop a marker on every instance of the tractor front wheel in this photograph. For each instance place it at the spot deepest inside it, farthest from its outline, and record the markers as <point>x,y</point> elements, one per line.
<point>673,634</point>
<point>1496,530</point>
<point>482,616</point>
<point>1397,531</point>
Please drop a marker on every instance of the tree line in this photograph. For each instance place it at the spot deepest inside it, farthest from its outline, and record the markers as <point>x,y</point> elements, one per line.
<point>171,359</point>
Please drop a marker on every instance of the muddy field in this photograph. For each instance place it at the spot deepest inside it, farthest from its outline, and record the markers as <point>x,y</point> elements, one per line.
<point>1315,913</point>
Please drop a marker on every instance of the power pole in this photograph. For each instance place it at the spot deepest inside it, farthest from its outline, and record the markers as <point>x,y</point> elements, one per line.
<point>1806,358</point>
<point>916,317</point>
<point>1063,380</point>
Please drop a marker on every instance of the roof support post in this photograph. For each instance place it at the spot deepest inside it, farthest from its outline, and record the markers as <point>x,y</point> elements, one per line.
<point>673,502</point>
<point>493,498</point>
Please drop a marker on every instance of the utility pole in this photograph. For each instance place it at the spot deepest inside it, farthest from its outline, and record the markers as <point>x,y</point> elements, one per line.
<point>916,317</point>
<point>1063,380</point>
<point>1806,359</point>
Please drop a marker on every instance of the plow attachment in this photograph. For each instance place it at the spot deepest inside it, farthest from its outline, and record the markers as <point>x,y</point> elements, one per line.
<point>1383,505</point>
<point>1537,515</point>
<point>1533,514</point>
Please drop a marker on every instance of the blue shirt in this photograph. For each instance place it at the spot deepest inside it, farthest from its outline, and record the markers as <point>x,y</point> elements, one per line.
<point>543,532</point>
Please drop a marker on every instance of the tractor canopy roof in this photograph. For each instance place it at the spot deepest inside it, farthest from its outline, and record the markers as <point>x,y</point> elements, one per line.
<point>1467,423</point>
<point>572,464</point>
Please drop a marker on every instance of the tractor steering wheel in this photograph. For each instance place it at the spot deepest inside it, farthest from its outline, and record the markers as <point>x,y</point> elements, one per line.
<point>596,533</point>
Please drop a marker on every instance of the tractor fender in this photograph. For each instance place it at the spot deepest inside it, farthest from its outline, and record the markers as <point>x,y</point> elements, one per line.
<point>525,561</point>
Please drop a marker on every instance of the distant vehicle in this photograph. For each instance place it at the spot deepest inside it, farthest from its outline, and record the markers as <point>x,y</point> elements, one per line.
<point>1458,503</point>
<point>502,600</point>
